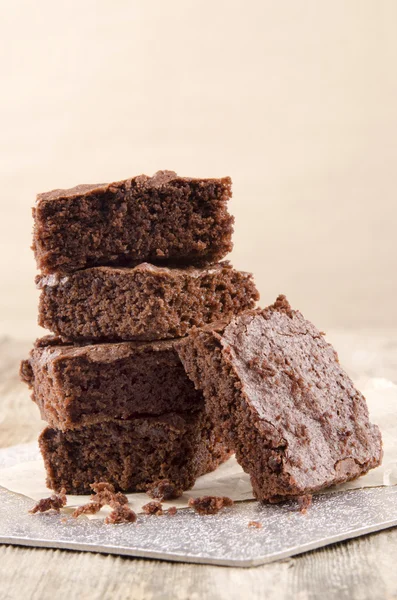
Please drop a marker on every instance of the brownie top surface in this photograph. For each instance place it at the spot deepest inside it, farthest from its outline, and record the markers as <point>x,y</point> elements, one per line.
<point>158,180</point>
<point>291,379</point>
<point>51,348</point>
<point>55,279</point>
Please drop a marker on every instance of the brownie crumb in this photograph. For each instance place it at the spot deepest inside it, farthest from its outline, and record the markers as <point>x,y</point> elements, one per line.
<point>153,508</point>
<point>255,524</point>
<point>164,490</point>
<point>121,514</point>
<point>304,502</point>
<point>172,511</point>
<point>105,494</point>
<point>209,505</point>
<point>91,508</point>
<point>120,498</point>
<point>54,502</point>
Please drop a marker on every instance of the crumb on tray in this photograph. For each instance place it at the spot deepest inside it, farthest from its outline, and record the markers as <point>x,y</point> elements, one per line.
<point>209,505</point>
<point>106,494</point>
<point>54,502</point>
<point>153,508</point>
<point>255,524</point>
<point>163,489</point>
<point>121,514</point>
<point>91,508</point>
<point>304,502</point>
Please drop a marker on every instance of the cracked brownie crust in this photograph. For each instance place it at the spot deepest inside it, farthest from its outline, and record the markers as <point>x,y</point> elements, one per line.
<point>164,218</point>
<point>276,390</point>
<point>146,302</point>
<point>133,454</point>
<point>81,385</point>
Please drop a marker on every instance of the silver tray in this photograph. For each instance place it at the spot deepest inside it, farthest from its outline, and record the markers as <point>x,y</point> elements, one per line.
<point>223,539</point>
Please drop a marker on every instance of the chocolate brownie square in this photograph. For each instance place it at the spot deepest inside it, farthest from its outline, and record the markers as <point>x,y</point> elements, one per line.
<point>81,385</point>
<point>131,455</point>
<point>282,401</point>
<point>164,218</point>
<point>146,302</point>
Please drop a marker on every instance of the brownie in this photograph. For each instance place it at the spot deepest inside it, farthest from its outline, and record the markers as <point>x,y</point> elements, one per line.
<point>282,401</point>
<point>132,454</point>
<point>81,385</point>
<point>146,302</point>
<point>163,218</point>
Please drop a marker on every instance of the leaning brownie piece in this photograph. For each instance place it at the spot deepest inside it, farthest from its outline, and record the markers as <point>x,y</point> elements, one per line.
<point>277,391</point>
<point>80,385</point>
<point>142,303</point>
<point>162,218</point>
<point>132,455</point>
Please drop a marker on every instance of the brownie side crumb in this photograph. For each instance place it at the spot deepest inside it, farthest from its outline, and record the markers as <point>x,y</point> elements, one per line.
<point>121,514</point>
<point>304,502</point>
<point>255,524</point>
<point>164,490</point>
<point>54,502</point>
<point>91,508</point>
<point>172,511</point>
<point>153,508</point>
<point>209,505</point>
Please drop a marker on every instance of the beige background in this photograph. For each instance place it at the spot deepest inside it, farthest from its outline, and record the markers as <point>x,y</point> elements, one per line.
<point>296,100</point>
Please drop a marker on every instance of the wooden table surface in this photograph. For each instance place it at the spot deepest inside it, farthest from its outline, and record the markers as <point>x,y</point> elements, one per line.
<point>360,569</point>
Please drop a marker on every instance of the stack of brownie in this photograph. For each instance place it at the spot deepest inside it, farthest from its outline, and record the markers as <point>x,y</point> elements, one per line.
<point>128,269</point>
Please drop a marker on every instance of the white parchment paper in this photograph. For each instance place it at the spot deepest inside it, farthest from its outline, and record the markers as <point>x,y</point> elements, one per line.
<point>26,475</point>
